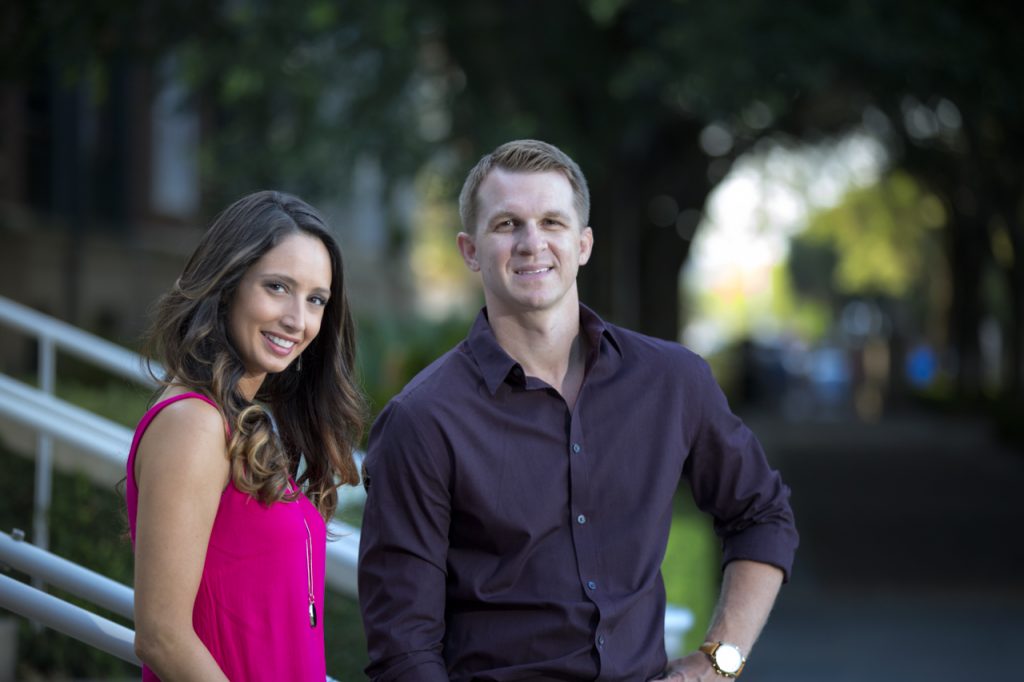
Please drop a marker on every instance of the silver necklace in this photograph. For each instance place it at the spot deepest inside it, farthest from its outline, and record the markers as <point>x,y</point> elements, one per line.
<point>309,574</point>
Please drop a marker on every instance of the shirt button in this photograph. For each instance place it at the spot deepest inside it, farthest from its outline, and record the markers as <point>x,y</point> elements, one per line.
<point>600,640</point>
<point>576,447</point>
<point>581,519</point>
<point>591,584</point>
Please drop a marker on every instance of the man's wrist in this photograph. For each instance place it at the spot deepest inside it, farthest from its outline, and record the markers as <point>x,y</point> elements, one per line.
<point>726,659</point>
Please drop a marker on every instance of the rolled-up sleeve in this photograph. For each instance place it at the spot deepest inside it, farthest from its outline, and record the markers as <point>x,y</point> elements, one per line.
<point>403,549</point>
<point>731,479</point>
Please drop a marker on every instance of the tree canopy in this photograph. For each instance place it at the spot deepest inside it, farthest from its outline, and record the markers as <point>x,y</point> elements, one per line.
<point>656,100</point>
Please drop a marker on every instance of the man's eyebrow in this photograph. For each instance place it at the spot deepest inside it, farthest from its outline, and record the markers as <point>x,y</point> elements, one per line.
<point>504,213</point>
<point>509,213</point>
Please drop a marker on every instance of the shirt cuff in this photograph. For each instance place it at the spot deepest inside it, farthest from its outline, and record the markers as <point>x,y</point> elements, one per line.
<point>766,543</point>
<point>415,670</point>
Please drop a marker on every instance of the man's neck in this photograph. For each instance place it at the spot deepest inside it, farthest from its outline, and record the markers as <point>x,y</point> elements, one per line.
<point>547,344</point>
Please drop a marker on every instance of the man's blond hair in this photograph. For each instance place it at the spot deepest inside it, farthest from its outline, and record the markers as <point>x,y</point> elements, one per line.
<point>523,156</point>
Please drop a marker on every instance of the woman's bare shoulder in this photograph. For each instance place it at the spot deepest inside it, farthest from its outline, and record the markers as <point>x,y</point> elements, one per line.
<point>188,435</point>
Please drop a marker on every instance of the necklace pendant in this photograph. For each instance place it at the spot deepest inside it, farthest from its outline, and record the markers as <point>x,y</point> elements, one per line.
<point>312,615</point>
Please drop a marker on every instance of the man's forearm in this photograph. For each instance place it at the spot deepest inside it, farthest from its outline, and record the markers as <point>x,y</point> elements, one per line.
<point>749,589</point>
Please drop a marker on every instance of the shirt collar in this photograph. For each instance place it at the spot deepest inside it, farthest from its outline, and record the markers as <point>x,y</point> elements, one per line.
<point>496,365</point>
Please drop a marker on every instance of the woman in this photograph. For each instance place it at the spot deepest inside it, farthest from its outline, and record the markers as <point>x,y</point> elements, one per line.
<point>229,530</point>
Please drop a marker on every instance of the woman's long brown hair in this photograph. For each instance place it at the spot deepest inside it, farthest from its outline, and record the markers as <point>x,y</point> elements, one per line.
<point>316,404</point>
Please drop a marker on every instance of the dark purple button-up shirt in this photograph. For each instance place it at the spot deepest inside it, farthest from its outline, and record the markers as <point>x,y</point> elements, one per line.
<point>507,537</point>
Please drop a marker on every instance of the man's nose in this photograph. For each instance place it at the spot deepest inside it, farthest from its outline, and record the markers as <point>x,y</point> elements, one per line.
<point>531,238</point>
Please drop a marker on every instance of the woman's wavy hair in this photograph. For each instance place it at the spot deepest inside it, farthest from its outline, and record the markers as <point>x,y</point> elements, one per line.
<point>316,404</point>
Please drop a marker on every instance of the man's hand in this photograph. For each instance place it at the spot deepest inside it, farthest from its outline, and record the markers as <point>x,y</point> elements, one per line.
<point>694,668</point>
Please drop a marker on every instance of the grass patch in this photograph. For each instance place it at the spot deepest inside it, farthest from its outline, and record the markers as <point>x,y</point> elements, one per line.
<point>120,402</point>
<point>691,567</point>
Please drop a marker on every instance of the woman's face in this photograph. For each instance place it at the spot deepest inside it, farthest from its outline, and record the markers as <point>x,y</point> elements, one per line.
<point>278,307</point>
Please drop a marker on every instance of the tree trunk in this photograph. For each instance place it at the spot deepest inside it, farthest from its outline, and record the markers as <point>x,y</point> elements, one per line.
<point>633,277</point>
<point>965,257</point>
<point>1013,380</point>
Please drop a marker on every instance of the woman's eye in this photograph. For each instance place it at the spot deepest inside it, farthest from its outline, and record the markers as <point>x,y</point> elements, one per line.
<point>318,300</point>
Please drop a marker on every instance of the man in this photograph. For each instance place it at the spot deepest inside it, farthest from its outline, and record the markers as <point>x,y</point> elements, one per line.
<point>520,488</point>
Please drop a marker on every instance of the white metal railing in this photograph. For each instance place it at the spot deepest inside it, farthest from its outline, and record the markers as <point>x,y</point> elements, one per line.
<point>71,339</point>
<point>93,629</point>
<point>108,444</point>
<point>53,334</point>
<point>65,617</point>
<point>96,437</point>
<point>69,576</point>
<point>58,614</point>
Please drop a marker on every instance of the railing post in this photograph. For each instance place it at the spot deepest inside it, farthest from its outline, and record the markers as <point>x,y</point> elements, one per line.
<point>44,451</point>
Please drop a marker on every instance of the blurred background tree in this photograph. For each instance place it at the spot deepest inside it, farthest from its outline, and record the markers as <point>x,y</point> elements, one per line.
<point>359,105</point>
<point>126,125</point>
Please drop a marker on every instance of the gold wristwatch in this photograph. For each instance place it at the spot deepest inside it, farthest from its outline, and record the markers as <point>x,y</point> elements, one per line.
<point>726,659</point>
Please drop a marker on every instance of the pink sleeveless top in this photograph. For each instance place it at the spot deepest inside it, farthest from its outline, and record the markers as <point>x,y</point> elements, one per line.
<point>252,607</point>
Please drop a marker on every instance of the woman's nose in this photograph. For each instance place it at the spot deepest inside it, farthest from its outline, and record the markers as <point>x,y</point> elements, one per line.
<point>294,318</point>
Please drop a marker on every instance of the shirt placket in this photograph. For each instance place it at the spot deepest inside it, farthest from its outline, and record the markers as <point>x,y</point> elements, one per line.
<point>584,523</point>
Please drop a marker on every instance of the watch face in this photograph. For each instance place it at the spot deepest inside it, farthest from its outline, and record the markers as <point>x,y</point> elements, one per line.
<point>728,658</point>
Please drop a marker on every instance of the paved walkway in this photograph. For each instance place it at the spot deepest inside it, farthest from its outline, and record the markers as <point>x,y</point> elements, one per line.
<point>911,565</point>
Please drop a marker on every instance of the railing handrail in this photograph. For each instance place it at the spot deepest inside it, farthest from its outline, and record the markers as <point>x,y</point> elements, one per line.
<point>109,442</point>
<point>84,345</point>
<point>53,334</point>
<point>104,440</point>
<point>342,558</point>
<point>72,620</point>
<point>67,575</point>
<point>101,632</point>
<point>65,617</point>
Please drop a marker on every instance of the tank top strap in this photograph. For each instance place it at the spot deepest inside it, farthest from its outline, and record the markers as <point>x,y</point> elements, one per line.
<point>152,412</point>
<point>182,396</point>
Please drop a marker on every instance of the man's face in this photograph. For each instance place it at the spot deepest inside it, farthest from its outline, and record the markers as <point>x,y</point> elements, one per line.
<point>527,244</point>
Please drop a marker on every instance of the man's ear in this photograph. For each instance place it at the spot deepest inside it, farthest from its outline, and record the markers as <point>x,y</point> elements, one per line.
<point>467,247</point>
<point>586,244</point>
